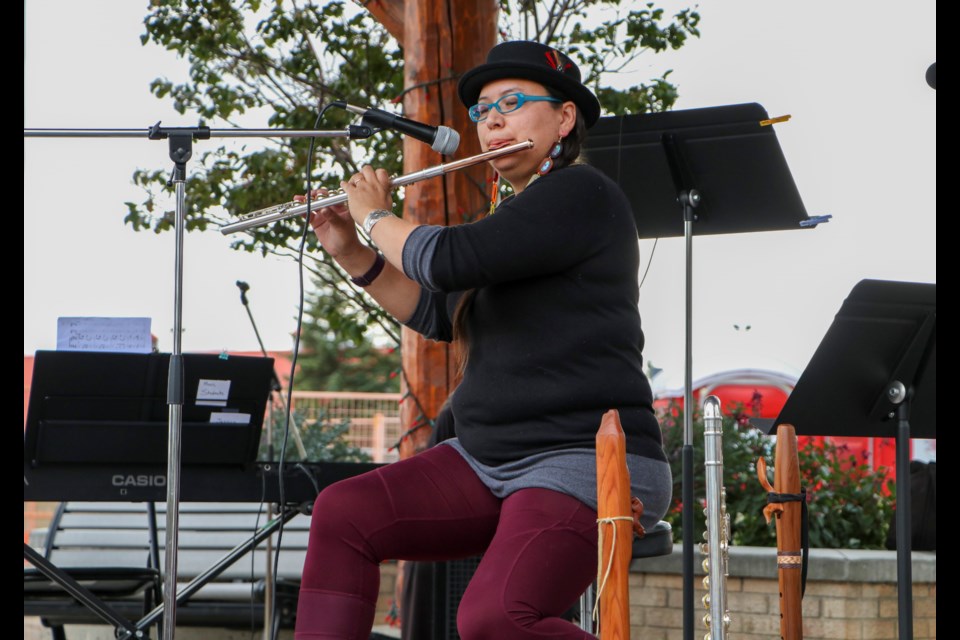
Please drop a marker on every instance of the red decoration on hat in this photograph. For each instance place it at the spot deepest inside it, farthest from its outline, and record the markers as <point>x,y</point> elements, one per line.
<point>553,59</point>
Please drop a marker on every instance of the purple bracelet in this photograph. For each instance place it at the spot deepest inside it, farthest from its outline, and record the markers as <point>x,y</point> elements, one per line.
<point>367,279</point>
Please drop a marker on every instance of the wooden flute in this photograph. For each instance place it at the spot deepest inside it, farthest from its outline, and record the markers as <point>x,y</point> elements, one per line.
<point>785,502</point>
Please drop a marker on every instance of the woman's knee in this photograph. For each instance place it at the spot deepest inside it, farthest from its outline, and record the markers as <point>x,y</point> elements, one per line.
<point>339,556</point>
<point>342,513</point>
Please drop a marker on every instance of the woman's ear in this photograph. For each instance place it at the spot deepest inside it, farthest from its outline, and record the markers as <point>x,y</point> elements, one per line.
<point>568,118</point>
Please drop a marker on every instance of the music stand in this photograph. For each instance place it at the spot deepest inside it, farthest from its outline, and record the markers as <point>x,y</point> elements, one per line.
<point>103,408</point>
<point>712,171</point>
<point>875,374</point>
<point>90,408</point>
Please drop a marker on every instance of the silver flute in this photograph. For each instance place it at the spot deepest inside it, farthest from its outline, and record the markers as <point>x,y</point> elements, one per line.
<point>293,209</point>
<point>717,535</point>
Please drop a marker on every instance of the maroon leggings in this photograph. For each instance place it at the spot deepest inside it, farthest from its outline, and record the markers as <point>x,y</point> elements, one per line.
<point>539,549</point>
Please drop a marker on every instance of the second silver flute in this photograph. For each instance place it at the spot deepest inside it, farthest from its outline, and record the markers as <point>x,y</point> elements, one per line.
<point>293,209</point>
<point>717,535</point>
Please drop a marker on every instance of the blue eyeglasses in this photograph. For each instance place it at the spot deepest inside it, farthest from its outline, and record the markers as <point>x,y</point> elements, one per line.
<point>506,104</point>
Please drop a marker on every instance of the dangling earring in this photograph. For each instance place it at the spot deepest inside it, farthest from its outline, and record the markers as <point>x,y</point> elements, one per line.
<point>495,192</point>
<point>548,162</point>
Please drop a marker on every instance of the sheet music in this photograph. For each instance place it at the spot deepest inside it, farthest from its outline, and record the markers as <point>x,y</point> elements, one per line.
<point>117,335</point>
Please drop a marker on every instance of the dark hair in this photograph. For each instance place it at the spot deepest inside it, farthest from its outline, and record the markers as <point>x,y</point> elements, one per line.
<point>575,139</point>
<point>461,337</point>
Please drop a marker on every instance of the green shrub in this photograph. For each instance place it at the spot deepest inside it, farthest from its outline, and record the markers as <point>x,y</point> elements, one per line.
<point>847,505</point>
<point>323,439</point>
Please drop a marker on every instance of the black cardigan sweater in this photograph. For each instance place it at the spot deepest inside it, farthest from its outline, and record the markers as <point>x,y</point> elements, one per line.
<point>554,329</point>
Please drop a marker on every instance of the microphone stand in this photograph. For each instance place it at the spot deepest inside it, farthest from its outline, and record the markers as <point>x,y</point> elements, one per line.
<point>181,150</point>
<point>275,386</point>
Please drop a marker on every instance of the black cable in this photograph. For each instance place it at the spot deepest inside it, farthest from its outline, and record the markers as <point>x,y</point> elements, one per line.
<point>649,262</point>
<point>293,363</point>
<point>618,174</point>
<point>309,474</point>
<point>253,557</point>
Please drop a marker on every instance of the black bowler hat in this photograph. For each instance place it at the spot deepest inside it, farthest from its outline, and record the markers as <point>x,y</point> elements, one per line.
<point>531,61</point>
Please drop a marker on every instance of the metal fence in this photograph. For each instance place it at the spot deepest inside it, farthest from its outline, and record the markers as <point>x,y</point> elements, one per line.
<point>374,418</point>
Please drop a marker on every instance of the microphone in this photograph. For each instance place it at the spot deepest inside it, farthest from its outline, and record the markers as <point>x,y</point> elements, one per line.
<point>244,287</point>
<point>441,139</point>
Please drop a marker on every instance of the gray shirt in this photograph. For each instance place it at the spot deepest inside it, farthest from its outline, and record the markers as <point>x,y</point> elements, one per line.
<point>574,472</point>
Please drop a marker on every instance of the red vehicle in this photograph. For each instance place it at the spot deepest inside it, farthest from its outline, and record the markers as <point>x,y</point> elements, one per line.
<point>765,392</point>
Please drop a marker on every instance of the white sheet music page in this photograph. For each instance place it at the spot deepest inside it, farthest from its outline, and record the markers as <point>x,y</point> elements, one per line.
<point>117,335</point>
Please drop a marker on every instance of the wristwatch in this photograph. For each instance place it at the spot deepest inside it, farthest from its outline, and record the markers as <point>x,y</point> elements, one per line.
<point>373,218</point>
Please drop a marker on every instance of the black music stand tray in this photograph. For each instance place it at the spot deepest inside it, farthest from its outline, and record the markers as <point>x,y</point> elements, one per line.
<point>729,155</point>
<point>110,408</point>
<point>709,171</point>
<point>90,409</point>
<point>875,374</point>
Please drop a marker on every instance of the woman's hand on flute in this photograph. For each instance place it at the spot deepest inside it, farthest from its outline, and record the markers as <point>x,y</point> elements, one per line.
<point>367,191</point>
<point>337,232</point>
<point>333,227</point>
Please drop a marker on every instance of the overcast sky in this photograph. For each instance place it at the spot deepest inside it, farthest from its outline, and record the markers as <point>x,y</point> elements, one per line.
<point>861,146</point>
